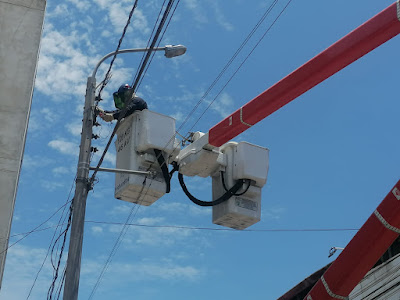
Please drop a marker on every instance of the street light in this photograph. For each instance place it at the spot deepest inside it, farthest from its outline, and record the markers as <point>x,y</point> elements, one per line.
<point>170,51</point>
<point>82,175</point>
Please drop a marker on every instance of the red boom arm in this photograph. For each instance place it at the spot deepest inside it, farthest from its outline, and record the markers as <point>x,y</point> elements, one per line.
<point>359,42</point>
<point>363,251</point>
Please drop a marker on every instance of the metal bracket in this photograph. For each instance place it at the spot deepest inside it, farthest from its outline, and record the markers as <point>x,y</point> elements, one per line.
<point>123,171</point>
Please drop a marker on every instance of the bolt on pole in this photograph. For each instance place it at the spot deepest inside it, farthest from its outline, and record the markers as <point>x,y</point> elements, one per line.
<point>79,202</point>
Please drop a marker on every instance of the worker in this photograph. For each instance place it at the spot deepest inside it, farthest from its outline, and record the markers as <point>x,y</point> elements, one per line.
<point>121,99</point>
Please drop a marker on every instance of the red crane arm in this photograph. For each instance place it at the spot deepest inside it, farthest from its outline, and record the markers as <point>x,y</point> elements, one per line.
<point>363,251</point>
<point>357,43</point>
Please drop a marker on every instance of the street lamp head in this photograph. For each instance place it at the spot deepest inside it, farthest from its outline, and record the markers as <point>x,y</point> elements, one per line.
<point>174,50</point>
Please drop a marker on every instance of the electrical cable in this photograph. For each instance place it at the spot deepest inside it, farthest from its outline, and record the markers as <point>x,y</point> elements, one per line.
<point>35,229</point>
<point>61,282</point>
<point>164,169</point>
<point>59,224</point>
<point>107,76</point>
<point>56,268</point>
<point>156,35</point>
<point>122,234</point>
<point>150,37</point>
<point>158,44</point>
<point>240,194</point>
<point>260,21</point>
<point>226,229</point>
<point>238,185</point>
<point>242,63</point>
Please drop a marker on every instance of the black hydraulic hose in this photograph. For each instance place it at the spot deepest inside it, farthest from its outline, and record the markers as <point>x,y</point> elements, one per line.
<point>223,184</point>
<point>164,169</point>
<point>221,199</point>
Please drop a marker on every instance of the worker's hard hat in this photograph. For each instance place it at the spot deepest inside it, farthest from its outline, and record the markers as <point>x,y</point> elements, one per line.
<point>123,88</point>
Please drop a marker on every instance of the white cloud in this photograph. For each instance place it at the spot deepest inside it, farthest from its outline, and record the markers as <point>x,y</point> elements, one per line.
<point>60,10</point>
<point>63,67</point>
<point>62,170</point>
<point>97,230</point>
<point>51,185</point>
<point>176,207</point>
<point>220,17</point>
<point>64,147</point>
<point>166,271</point>
<point>36,161</point>
<point>82,5</point>
<point>272,213</point>
<point>74,128</point>
<point>199,13</point>
<point>150,221</point>
<point>22,266</point>
<point>223,105</point>
<point>118,13</point>
<point>123,273</point>
<point>48,115</point>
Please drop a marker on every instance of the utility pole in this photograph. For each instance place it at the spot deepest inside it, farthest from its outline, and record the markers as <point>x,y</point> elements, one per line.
<point>79,202</point>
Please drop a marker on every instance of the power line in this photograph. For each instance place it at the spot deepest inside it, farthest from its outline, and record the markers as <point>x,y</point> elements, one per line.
<point>227,65</point>
<point>59,224</point>
<point>227,229</point>
<point>122,234</point>
<point>153,43</point>
<point>241,64</point>
<point>108,74</point>
<point>201,228</point>
<point>56,268</point>
<point>159,42</point>
<point>34,229</point>
<point>151,35</point>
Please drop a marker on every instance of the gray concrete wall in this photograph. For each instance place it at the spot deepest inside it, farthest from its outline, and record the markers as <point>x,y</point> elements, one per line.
<point>21,23</point>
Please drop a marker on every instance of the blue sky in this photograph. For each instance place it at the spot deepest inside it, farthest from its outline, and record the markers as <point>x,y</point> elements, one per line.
<point>333,151</point>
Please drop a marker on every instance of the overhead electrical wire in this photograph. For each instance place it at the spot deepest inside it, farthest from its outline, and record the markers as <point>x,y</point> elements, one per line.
<point>58,263</point>
<point>152,45</point>
<point>117,243</point>
<point>59,225</point>
<point>226,229</point>
<point>241,64</point>
<point>150,38</point>
<point>205,228</point>
<point>230,61</point>
<point>35,229</point>
<point>158,44</point>
<point>108,73</point>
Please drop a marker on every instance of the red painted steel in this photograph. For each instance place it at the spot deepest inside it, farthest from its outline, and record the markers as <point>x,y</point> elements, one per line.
<point>359,42</point>
<point>363,251</point>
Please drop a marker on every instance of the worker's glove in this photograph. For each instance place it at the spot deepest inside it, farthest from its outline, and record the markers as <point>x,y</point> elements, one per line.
<point>98,111</point>
<point>106,116</point>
